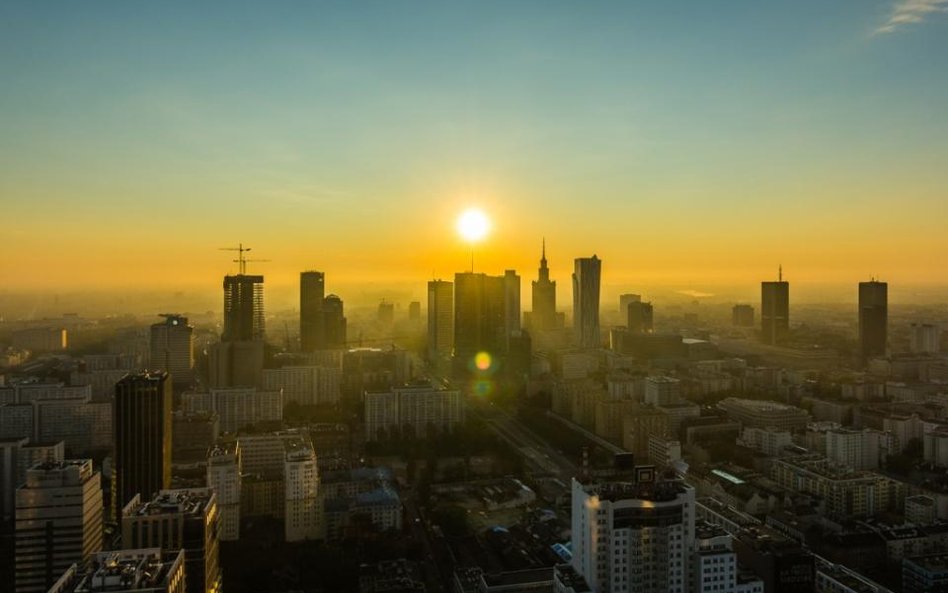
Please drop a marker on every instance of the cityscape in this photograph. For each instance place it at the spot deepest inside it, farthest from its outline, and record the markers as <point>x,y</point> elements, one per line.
<point>474,298</point>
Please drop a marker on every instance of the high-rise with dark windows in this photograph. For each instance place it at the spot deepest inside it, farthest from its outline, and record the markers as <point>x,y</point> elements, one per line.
<point>873,318</point>
<point>480,314</point>
<point>142,437</point>
<point>586,276</point>
<point>774,310</point>
<point>312,294</point>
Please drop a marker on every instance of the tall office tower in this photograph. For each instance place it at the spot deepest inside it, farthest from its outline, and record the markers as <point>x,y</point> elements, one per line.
<point>172,348</point>
<point>543,313</point>
<point>179,519</point>
<point>58,522</point>
<point>774,309</point>
<point>141,425</point>
<point>243,308</point>
<point>334,322</point>
<point>224,478</point>
<point>386,314</point>
<point>440,319</point>
<point>873,318</point>
<point>312,294</point>
<point>633,535</point>
<point>640,318</point>
<point>301,482</point>
<point>925,338</point>
<point>126,571</point>
<point>742,316</point>
<point>512,309</point>
<point>480,312</point>
<point>414,311</point>
<point>625,299</point>
<point>586,278</point>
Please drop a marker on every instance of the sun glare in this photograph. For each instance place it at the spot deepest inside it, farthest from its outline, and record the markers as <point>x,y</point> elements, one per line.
<point>473,225</point>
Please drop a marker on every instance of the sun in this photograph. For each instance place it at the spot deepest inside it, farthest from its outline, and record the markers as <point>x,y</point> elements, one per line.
<point>473,225</point>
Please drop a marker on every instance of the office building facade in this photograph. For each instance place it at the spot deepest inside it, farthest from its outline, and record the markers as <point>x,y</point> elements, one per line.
<point>586,279</point>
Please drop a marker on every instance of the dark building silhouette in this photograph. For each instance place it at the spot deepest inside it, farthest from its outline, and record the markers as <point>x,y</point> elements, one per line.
<point>440,319</point>
<point>640,318</point>
<point>312,294</point>
<point>742,316</point>
<point>774,310</point>
<point>414,311</point>
<point>873,318</point>
<point>172,348</point>
<point>243,308</point>
<point>480,312</point>
<point>142,447</point>
<point>586,277</point>
<point>512,310</point>
<point>386,314</point>
<point>334,323</point>
<point>543,315</point>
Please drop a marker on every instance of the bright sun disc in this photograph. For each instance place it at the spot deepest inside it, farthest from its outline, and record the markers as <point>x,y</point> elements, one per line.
<point>473,225</point>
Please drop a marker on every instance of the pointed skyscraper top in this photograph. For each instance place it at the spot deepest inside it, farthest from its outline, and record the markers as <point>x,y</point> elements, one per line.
<point>780,272</point>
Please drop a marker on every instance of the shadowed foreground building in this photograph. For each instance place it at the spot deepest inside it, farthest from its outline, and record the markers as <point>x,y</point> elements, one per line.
<point>185,519</point>
<point>142,432</point>
<point>58,522</point>
<point>147,570</point>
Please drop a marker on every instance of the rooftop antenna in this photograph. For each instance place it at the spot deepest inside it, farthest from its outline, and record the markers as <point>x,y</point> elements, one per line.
<point>780,273</point>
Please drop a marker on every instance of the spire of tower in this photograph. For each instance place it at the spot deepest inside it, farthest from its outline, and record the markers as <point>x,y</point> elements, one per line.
<point>780,272</point>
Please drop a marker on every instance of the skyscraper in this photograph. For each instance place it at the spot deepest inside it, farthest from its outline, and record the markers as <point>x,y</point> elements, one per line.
<point>142,437</point>
<point>873,318</point>
<point>312,294</point>
<point>640,317</point>
<point>586,278</point>
<point>172,348</point>
<point>512,310</point>
<point>440,319</point>
<point>334,322</point>
<point>480,311</point>
<point>774,309</point>
<point>243,308</point>
<point>58,522</point>
<point>742,316</point>
<point>543,315</point>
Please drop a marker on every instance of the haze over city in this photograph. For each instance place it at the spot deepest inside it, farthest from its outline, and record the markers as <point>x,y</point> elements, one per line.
<point>474,297</point>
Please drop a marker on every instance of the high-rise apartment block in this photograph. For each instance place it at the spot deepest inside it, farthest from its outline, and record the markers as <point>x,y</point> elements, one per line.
<point>873,318</point>
<point>301,483</point>
<point>586,278</point>
<point>172,348</point>
<point>58,522</point>
<point>633,534</point>
<point>224,478</point>
<point>142,427</point>
<point>417,409</point>
<point>774,310</point>
<point>172,520</point>
<point>237,407</point>
<point>440,319</point>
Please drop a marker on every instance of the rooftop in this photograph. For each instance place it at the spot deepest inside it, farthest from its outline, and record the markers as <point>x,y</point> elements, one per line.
<point>192,502</point>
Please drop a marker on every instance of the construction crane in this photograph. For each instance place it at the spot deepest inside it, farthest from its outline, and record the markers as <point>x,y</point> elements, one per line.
<point>241,250</point>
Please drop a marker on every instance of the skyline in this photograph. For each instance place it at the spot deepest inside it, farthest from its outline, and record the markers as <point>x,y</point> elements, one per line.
<point>685,145</point>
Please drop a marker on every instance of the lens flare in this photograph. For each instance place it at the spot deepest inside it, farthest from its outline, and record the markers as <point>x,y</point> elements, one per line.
<point>482,361</point>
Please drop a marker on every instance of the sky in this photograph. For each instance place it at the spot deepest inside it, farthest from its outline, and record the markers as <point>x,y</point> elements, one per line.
<point>688,144</point>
